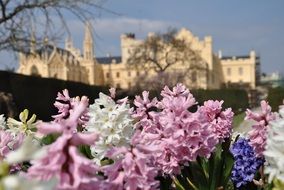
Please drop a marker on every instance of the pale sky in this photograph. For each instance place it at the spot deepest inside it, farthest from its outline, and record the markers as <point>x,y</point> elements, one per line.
<point>235,26</point>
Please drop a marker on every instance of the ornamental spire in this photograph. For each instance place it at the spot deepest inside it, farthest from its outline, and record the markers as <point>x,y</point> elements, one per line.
<point>88,42</point>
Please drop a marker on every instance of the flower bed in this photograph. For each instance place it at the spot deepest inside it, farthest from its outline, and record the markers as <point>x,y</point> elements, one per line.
<point>157,144</point>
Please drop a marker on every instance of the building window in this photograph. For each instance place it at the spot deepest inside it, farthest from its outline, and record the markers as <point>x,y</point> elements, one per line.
<point>118,85</point>
<point>34,71</point>
<point>117,75</point>
<point>229,83</point>
<point>228,71</point>
<point>107,75</point>
<point>240,71</point>
<point>194,76</point>
<point>129,73</point>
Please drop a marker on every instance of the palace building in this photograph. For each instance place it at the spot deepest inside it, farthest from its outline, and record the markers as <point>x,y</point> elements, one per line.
<point>70,63</point>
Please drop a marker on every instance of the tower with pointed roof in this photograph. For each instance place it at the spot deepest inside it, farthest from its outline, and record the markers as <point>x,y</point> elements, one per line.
<point>94,70</point>
<point>88,46</point>
<point>33,43</point>
<point>68,43</point>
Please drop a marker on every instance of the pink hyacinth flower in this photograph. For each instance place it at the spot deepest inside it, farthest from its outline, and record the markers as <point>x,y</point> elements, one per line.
<point>258,134</point>
<point>63,159</point>
<point>211,115</point>
<point>65,105</point>
<point>179,134</point>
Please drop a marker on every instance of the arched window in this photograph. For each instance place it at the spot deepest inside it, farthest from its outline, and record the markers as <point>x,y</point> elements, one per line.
<point>34,71</point>
<point>194,76</point>
<point>241,71</point>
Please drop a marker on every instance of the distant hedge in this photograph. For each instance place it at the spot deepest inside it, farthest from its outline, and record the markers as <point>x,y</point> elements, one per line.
<point>38,94</point>
<point>234,98</point>
<point>275,97</point>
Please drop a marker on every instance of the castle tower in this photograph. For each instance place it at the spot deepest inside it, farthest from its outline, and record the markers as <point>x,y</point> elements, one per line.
<point>88,55</point>
<point>68,43</point>
<point>33,43</point>
<point>88,45</point>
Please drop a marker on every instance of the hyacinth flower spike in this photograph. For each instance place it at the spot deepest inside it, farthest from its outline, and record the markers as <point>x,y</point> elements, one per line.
<point>274,149</point>
<point>63,160</point>
<point>246,163</point>
<point>258,134</point>
<point>65,105</point>
<point>113,123</point>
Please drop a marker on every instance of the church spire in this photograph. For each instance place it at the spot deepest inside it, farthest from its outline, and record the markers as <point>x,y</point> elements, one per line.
<point>33,42</point>
<point>88,42</point>
<point>68,43</point>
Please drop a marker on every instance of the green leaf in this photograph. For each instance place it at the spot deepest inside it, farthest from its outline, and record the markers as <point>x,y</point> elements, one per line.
<point>191,184</point>
<point>177,184</point>
<point>228,166</point>
<point>203,162</point>
<point>215,168</point>
<point>85,150</point>
<point>277,184</point>
<point>165,182</point>
<point>220,165</point>
<point>227,163</point>
<point>4,169</point>
<point>195,173</point>
<point>106,161</point>
<point>48,139</point>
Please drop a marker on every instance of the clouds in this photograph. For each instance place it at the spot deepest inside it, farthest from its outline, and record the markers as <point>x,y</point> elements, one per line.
<point>107,31</point>
<point>259,26</point>
<point>117,26</point>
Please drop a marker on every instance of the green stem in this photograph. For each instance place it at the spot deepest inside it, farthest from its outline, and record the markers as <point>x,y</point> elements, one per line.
<point>200,161</point>
<point>191,184</point>
<point>177,183</point>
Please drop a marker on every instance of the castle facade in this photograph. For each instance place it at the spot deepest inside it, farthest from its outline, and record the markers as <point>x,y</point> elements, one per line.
<point>70,64</point>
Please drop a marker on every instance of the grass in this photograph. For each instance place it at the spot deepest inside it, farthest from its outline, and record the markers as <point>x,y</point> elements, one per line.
<point>238,119</point>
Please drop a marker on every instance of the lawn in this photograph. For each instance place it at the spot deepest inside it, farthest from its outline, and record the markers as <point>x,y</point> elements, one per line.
<point>238,119</point>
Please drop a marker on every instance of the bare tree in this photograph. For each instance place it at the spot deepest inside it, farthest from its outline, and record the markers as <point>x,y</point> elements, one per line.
<point>20,18</point>
<point>169,57</point>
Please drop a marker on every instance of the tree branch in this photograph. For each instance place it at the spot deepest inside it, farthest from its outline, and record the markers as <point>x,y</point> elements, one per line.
<point>18,19</point>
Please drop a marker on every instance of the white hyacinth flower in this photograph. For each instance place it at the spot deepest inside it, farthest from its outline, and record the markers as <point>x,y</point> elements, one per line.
<point>113,123</point>
<point>274,153</point>
<point>15,182</point>
<point>2,122</point>
<point>29,150</point>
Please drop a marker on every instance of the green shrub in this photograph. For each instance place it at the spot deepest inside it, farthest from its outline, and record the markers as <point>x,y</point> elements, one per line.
<point>235,98</point>
<point>38,94</point>
<point>275,97</point>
